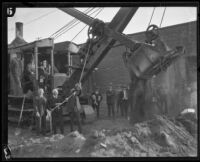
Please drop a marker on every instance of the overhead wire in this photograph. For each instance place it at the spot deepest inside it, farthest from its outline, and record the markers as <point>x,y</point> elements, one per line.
<point>71,22</point>
<point>66,30</point>
<point>66,25</point>
<point>40,17</point>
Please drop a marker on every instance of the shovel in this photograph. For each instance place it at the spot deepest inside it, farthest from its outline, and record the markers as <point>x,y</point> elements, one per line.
<point>50,121</point>
<point>18,130</point>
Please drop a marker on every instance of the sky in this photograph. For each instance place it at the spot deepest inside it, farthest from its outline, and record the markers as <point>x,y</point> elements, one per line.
<point>40,23</point>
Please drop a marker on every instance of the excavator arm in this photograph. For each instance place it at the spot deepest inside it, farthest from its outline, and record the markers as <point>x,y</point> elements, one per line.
<point>111,33</point>
<point>143,61</point>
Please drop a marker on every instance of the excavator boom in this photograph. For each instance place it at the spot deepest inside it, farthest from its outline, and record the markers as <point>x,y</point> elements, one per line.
<point>102,47</point>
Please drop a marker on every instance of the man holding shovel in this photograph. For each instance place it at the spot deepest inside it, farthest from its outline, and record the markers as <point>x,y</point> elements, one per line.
<point>40,107</point>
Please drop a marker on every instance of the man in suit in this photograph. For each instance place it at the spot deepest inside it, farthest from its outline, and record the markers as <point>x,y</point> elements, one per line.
<point>110,96</point>
<point>124,102</point>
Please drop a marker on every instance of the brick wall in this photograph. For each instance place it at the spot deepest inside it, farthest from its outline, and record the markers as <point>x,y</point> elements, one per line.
<point>112,68</point>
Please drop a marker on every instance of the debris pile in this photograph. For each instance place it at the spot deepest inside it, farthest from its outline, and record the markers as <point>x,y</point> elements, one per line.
<point>159,137</point>
<point>155,138</point>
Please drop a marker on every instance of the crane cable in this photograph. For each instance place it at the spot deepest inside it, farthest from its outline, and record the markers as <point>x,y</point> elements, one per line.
<point>66,99</point>
<point>152,16</point>
<point>66,25</point>
<point>87,53</point>
<point>70,23</point>
<point>162,17</point>
<point>85,26</point>
<point>66,30</point>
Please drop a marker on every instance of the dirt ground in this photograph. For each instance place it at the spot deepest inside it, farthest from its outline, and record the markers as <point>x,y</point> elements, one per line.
<point>160,137</point>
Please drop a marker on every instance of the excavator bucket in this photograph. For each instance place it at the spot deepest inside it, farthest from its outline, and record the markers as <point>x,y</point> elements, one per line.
<point>143,63</point>
<point>148,60</point>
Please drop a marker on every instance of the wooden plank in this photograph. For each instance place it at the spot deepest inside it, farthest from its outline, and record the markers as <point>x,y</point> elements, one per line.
<point>13,96</point>
<point>17,109</point>
<point>48,42</point>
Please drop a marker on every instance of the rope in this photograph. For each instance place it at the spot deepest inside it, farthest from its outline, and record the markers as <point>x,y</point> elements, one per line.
<point>162,17</point>
<point>82,68</point>
<point>87,54</point>
<point>66,30</point>
<point>62,103</point>
<point>85,62</point>
<point>151,16</point>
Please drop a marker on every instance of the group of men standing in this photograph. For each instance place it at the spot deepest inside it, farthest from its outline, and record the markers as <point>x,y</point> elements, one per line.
<point>50,109</point>
<point>112,99</point>
<point>121,99</point>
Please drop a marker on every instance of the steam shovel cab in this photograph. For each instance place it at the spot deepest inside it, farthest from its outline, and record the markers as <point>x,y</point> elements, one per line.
<point>31,53</point>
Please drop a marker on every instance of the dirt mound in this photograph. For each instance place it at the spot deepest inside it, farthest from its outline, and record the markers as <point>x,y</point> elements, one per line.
<point>158,137</point>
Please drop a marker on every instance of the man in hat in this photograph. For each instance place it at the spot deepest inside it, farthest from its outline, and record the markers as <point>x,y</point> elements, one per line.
<point>110,98</point>
<point>57,114</point>
<point>40,108</point>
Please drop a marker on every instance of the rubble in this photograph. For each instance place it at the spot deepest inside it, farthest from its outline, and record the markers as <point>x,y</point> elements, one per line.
<point>159,137</point>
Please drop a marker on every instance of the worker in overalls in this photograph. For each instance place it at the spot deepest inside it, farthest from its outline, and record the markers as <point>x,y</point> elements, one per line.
<point>74,108</point>
<point>40,108</point>
<point>56,114</point>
